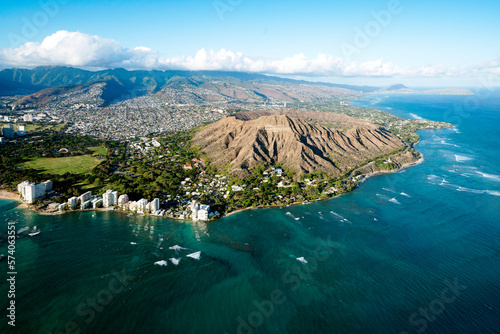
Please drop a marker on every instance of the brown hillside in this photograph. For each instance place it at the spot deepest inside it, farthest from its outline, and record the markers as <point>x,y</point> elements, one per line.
<point>295,143</point>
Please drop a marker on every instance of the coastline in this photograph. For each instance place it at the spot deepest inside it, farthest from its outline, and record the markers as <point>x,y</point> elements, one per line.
<point>4,194</point>
<point>403,166</point>
<point>368,175</point>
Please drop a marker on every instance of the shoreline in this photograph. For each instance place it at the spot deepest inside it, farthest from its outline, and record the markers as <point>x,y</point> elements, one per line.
<point>403,166</point>
<point>9,195</point>
<point>4,194</point>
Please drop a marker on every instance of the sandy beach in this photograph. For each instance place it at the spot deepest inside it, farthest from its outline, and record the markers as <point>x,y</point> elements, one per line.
<point>4,194</point>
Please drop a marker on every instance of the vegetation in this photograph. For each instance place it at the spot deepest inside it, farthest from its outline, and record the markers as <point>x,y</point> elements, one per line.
<point>81,164</point>
<point>156,168</point>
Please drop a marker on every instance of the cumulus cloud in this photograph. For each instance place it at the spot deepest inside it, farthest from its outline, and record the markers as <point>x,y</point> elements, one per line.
<point>79,50</point>
<point>93,52</point>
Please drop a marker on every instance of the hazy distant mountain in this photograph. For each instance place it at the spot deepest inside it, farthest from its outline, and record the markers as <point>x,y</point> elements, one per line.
<point>66,85</point>
<point>393,88</point>
<point>183,85</point>
<point>402,89</point>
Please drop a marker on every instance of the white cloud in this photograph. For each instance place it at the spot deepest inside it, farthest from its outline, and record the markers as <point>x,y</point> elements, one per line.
<point>93,52</point>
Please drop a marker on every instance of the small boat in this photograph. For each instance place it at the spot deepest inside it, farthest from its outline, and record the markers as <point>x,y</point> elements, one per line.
<point>34,232</point>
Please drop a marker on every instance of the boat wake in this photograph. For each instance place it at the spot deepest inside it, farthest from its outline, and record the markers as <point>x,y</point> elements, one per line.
<point>462,158</point>
<point>489,176</point>
<point>341,218</point>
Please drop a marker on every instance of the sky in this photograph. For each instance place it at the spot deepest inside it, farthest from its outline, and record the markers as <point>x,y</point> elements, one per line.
<point>419,43</point>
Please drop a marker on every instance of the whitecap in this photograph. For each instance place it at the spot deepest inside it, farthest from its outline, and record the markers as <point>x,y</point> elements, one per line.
<point>161,263</point>
<point>476,191</point>
<point>404,194</point>
<point>394,200</point>
<point>469,190</point>
<point>289,214</point>
<point>493,192</point>
<point>195,255</point>
<point>341,218</point>
<point>175,261</point>
<point>416,116</point>
<point>461,158</point>
<point>389,190</point>
<point>176,248</point>
<point>489,176</point>
<point>301,259</point>
<point>133,243</point>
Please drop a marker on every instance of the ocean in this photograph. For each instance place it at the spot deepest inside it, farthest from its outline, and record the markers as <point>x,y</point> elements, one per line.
<point>417,251</point>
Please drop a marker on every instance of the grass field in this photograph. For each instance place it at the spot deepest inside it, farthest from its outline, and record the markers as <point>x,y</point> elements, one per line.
<point>79,164</point>
<point>98,150</point>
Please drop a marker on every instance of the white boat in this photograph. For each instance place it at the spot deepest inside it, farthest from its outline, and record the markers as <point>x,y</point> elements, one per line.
<point>34,232</point>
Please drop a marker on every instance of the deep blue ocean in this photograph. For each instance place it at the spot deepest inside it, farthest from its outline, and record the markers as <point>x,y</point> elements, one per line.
<point>417,251</point>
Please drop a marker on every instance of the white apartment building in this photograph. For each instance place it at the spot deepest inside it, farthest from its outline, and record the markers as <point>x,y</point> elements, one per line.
<point>108,199</point>
<point>154,205</point>
<point>73,202</point>
<point>30,191</point>
<point>21,130</point>
<point>84,198</point>
<point>122,199</point>
<point>199,211</point>
<point>142,205</point>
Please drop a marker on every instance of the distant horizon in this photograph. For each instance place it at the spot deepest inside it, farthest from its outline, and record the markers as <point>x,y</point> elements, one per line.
<point>358,42</point>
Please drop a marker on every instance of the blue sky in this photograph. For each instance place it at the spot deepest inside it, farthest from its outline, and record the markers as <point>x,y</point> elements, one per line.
<point>421,43</point>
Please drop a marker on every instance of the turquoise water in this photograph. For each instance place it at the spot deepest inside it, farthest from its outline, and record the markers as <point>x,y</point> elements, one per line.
<point>379,260</point>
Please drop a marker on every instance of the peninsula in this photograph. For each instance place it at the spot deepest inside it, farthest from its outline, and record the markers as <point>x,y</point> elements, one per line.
<point>204,142</point>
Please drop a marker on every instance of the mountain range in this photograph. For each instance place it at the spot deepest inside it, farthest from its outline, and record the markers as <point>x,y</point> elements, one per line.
<point>197,86</point>
<point>41,85</point>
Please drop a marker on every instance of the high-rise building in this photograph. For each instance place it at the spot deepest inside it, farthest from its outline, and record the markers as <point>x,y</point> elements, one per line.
<point>8,131</point>
<point>122,199</point>
<point>108,198</point>
<point>142,205</point>
<point>30,191</point>
<point>21,131</point>
<point>84,198</point>
<point>199,211</point>
<point>28,118</point>
<point>48,185</point>
<point>155,205</point>
<point>73,202</point>
<point>115,198</point>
